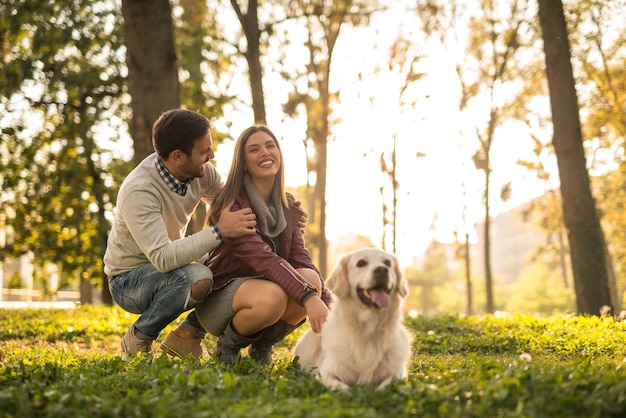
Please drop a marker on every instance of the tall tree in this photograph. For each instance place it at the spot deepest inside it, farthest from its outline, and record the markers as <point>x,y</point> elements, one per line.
<point>249,20</point>
<point>400,70</point>
<point>403,63</point>
<point>498,39</point>
<point>585,235</point>
<point>598,36</point>
<point>203,66</point>
<point>152,67</point>
<point>495,32</point>
<point>322,21</point>
<point>62,82</point>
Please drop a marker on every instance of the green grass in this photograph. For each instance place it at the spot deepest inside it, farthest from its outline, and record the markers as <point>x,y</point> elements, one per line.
<point>67,363</point>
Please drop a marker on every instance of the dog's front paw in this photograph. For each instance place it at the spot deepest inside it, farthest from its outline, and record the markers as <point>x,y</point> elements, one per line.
<point>333,382</point>
<point>384,383</point>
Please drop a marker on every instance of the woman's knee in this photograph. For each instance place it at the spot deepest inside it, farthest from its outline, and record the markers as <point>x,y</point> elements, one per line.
<point>265,298</point>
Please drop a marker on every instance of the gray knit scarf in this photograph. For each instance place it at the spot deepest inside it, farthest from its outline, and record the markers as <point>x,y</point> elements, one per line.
<point>270,219</point>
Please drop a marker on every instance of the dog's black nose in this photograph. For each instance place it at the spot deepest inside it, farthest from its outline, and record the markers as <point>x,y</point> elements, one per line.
<point>381,270</point>
<point>381,274</point>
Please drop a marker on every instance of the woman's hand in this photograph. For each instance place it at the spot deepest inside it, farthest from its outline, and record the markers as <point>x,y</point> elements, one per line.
<point>317,311</point>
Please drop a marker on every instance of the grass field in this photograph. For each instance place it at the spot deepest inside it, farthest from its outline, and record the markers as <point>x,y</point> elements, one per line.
<point>67,363</point>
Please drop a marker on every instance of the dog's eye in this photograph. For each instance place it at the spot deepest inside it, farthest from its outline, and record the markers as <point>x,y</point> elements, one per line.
<point>387,263</point>
<point>361,263</point>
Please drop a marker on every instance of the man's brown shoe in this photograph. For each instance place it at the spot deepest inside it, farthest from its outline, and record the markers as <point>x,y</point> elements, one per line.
<point>182,347</point>
<point>133,345</point>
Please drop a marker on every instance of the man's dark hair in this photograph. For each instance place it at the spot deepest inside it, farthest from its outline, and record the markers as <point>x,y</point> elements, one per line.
<point>178,129</point>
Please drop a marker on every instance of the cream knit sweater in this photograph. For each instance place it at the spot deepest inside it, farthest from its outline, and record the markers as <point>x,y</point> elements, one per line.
<point>151,221</point>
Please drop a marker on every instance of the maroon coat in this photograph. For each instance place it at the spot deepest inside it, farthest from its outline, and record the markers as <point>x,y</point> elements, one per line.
<point>255,255</point>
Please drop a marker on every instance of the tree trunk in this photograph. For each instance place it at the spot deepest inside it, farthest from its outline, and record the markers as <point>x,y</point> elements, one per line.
<point>582,222</point>
<point>152,67</point>
<point>86,292</point>
<point>250,25</point>
<point>487,244</point>
<point>320,188</point>
<point>468,276</point>
<point>152,75</point>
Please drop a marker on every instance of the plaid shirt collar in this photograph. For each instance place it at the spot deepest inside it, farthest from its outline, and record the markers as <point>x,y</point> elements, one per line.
<point>180,187</point>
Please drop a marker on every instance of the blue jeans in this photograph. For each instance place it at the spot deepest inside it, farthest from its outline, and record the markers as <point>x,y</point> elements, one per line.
<point>159,297</point>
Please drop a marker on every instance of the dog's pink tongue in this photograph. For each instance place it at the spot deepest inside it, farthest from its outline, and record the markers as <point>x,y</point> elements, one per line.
<point>380,298</point>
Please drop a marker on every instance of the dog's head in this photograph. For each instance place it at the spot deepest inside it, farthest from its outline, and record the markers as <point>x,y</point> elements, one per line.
<point>371,274</point>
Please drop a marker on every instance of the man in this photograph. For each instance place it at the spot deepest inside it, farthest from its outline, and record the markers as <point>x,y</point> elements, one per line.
<point>150,262</point>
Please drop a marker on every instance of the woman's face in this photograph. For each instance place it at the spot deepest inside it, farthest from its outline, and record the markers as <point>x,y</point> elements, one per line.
<point>262,156</point>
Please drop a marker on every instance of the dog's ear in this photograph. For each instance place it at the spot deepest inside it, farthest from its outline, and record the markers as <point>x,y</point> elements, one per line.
<point>403,287</point>
<point>338,280</point>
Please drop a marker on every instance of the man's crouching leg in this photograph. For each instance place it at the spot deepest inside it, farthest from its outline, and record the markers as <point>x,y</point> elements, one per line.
<point>201,289</point>
<point>187,338</point>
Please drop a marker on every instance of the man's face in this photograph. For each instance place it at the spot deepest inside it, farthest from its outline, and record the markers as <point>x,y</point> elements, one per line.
<point>192,166</point>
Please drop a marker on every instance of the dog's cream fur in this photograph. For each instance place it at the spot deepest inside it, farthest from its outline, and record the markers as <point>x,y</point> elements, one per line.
<point>364,340</point>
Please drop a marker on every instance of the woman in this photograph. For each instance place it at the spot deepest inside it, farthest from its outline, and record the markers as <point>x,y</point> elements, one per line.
<point>265,285</point>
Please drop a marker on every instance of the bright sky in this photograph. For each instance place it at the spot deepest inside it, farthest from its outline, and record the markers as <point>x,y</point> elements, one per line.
<point>430,186</point>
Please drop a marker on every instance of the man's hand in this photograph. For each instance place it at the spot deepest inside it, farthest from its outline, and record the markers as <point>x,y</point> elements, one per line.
<point>303,219</point>
<point>236,224</point>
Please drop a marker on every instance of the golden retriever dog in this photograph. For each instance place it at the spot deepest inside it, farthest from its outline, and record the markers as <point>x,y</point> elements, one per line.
<point>364,340</point>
